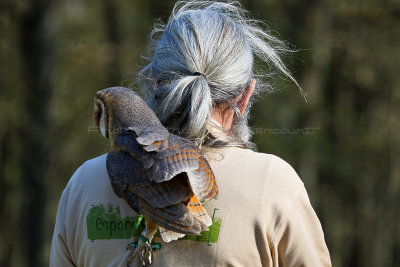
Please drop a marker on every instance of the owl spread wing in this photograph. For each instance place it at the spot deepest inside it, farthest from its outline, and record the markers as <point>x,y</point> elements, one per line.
<point>170,204</point>
<point>182,156</point>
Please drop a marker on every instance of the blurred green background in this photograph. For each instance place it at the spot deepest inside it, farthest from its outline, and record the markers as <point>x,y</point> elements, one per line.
<point>344,144</point>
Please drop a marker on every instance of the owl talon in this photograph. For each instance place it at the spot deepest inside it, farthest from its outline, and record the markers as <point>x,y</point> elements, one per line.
<point>143,250</point>
<point>146,255</point>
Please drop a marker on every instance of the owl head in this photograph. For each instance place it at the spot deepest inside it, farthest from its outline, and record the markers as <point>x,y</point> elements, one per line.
<point>119,110</point>
<point>112,110</point>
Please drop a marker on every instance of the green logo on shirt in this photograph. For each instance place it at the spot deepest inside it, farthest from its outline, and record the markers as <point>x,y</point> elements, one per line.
<point>107,223</point>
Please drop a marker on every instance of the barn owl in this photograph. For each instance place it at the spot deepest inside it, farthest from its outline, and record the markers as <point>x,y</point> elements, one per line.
<point>160,175</point>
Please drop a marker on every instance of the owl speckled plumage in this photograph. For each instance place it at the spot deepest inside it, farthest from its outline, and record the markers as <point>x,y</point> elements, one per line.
<point>160,175</point>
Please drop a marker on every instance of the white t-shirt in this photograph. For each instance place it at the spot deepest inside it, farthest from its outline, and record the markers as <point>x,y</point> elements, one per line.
<point>262,217</point>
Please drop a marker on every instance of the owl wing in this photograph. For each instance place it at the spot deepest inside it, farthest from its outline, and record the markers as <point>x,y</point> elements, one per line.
<point>169,204</point>
<point>182,156</point>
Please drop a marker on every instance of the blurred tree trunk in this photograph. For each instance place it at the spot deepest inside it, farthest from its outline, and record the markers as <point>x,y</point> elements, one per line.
<point>35,52</point>
<point>160,9</point>
<point>112,28</point>
<point>4,151</point>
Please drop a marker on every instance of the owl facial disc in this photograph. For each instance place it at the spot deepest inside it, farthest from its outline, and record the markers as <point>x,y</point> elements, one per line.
<point>101,118</point>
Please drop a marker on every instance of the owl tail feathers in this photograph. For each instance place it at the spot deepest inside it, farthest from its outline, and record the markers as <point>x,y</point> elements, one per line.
<point>200,218</point>
<point>176,217</point>
<point>198,211</point>
<point>168,235</point>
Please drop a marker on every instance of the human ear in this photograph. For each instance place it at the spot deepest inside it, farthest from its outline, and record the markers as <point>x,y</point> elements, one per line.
<point>242,104</point>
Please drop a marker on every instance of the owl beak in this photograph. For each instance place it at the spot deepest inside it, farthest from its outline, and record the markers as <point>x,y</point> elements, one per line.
<point>100,116</point>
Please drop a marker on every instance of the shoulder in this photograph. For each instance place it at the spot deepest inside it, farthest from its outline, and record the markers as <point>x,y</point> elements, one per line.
<point>270,167</point>
<point>282,183</point>
<point>89,178</point>
<point>95,164</point>
<point>91,168</point>
<point>268,174</point>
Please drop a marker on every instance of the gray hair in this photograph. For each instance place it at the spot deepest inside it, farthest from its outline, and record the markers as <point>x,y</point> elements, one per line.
<point>203,57</point>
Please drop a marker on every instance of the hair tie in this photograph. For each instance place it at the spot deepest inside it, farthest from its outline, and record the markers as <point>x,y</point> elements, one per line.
<point>199,74</point>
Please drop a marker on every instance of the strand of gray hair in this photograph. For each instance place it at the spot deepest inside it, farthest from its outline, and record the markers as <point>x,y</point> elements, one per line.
<point>219,41</point>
